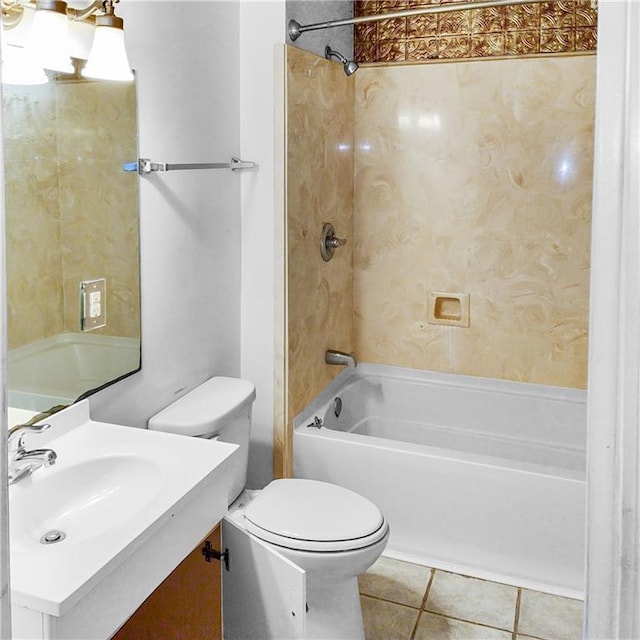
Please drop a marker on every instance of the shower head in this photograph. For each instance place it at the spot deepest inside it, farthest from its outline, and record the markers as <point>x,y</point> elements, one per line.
<point>349,66</point>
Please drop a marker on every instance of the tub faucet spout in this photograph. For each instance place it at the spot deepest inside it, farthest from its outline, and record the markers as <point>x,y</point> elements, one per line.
<point>22,462</point>
<point>331,356</point>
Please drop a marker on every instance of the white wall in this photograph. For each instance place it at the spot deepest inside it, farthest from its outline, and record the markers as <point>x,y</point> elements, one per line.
<point>5,595</point>
<point>202,69</point>
<point>205,92</point>
<point>613,469</point>
<point>262,26</point>
<point>186,56</point>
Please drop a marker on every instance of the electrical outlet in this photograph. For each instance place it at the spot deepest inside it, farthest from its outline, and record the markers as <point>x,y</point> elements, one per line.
<point>93,304</point>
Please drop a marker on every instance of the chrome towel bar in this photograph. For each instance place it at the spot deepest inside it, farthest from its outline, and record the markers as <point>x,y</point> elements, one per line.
<point>144,166</point>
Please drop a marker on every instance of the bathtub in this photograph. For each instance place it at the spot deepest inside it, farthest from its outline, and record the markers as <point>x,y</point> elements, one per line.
<point>58,369</point>
<point>478,476</point>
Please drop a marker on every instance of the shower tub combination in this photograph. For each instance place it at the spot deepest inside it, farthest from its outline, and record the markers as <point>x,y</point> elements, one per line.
<point>479,476</point>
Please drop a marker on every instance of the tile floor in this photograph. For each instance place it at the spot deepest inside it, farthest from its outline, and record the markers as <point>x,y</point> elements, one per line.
<point>403,601</point>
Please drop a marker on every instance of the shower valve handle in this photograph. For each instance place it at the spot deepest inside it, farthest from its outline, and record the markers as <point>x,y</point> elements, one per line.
<point>329,242</point>
<point>334,242</point>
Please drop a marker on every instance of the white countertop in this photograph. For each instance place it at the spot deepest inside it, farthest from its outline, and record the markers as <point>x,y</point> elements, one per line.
<point>105,525</point>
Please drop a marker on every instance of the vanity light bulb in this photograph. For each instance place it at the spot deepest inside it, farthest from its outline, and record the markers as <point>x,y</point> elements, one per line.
<point>48,40</point>
<point>108,59</point>
<point>19,67</point>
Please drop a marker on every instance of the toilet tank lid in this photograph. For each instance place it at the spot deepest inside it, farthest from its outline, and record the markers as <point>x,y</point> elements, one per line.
<point>206,409</point>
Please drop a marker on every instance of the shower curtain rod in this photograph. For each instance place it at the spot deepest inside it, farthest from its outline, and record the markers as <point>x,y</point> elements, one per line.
<point>296,29</point>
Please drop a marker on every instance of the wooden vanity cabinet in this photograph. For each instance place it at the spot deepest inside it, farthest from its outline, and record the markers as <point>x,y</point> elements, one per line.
<point>186,606</point>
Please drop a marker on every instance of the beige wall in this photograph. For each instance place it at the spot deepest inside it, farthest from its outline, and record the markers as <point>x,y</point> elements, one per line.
<point>34,277</point>
<point>98,200</point>
<point>71,210</point>
<point>319,188</point>
<point>475,177</point>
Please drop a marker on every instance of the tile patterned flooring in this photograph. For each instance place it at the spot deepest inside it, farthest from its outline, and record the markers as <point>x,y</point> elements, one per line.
<point>403,601</point>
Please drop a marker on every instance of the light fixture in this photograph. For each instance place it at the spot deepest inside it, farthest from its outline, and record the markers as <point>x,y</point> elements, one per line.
<point>49,40</point>
<point>108,58</point>
<point>19,67</point>
<point>58,36</point>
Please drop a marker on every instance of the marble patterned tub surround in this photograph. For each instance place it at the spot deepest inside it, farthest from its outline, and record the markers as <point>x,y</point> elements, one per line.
<point>65,191</point>
<point>99,201</point>
<point>319,168</point>
<point>562,26</point>
<point>35,295</point>
<point>476,178</point>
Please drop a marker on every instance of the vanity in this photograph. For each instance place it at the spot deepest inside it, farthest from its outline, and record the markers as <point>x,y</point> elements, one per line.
<point>127,506</point>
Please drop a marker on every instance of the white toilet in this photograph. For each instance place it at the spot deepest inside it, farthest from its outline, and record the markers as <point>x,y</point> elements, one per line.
<point>330,532</point>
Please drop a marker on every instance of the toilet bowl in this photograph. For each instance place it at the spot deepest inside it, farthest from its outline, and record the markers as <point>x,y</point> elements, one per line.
<point>330,532</point>
<point>334,534</point>
<point>323,528</point>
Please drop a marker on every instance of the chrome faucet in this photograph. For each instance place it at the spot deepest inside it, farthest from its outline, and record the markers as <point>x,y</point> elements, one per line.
<point>331,356</point>
<point>22,462</point>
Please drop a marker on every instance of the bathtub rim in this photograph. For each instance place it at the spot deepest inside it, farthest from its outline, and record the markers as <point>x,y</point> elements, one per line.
<point>372,371</point>
<point>429,451</point>
<point>440,378</point>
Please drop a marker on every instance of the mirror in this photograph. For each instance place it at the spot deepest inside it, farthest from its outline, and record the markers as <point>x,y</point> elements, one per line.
<point>72,239</point>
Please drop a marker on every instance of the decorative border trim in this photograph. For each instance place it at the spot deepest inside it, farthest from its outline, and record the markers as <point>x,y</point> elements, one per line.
<point>560,26</point>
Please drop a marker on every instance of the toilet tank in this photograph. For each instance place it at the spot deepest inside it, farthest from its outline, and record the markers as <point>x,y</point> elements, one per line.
<point>219,408</point>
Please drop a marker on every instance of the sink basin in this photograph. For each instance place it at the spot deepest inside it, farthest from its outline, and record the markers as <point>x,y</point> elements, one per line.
<point>117,493</point>
<point>83,499</point>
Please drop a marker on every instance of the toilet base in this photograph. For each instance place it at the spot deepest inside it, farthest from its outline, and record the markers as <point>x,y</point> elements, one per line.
<point>334,612</point>
<point>267,587</point>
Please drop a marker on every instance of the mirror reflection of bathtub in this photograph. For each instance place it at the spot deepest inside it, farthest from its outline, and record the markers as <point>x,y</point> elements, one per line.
<point>59,369</point>
<point>71,216</point>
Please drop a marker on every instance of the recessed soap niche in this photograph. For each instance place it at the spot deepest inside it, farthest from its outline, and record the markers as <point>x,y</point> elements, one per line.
<point>448,308</point>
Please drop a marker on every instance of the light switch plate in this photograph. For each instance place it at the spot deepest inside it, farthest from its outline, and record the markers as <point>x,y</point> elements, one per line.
<point>93,304</point>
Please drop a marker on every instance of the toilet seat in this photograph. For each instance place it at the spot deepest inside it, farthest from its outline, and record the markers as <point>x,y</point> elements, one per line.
<point>308,515</point>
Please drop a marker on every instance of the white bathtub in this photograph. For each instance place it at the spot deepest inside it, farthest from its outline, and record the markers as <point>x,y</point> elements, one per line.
<point>483,477</point>
<point>58,369</point>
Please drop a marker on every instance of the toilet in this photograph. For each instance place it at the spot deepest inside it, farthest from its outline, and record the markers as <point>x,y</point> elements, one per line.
<point>331,533</point>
